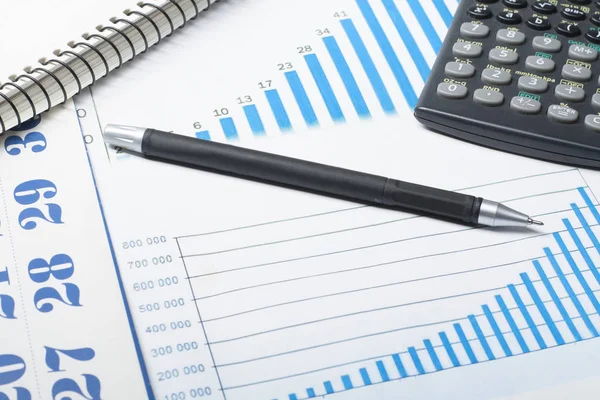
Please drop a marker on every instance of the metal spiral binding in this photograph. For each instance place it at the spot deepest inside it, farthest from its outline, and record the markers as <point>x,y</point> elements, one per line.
<point>84,63</point>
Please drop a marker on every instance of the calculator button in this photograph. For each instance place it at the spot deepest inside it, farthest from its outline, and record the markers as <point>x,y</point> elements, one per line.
<point>592,121</point>
<point>471,30</point>
<point>576,73</point>
<point>509,17</point>
<point>532,84</point>
<point>569,93</point>
<point>466,49</point>
<point>515,3</point>
<point>539,24</point>
<point>540,64</point>
<point>452,90</point>
<point>459,70</point>
<point>596,100</point>
<point>525,105</point>
<point>544,7</point>
<point>546,44</point>
<point>488,97</point>
<point>593,35</point>
<point>503,56</point>
<point>511,38</point>
<point>574,14</point>
<point>582,53</point>
<point>495,77</point>
<point>567,29</point>
<point>479,12</point>
<point>562,114</point>
<point>595,19</point>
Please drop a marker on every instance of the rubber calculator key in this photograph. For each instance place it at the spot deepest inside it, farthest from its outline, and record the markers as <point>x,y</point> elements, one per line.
<point>467,50</point>
<point>452,91</point>
<point>488,97</point>
<point>576,73</point>
<point>496,77</point>
<point>532,84</point>
<point>569,93</point>
<point>546,44</point>
<point>540,64</point>
<point>459,70</point>
<point>582,53</point>
<point>562,114</point>
<point>592,121</point>
<point>503,56</point>
<point>510,38</point>
<point>544,7</point>
<point>474,31</point>
<point>525,105</point>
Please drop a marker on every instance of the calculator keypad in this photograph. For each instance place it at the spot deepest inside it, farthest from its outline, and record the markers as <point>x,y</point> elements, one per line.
<point>539,42</point>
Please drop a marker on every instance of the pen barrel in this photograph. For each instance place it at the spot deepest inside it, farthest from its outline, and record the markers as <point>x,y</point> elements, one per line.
<point>310,176</point>
<point>429,200</point>
<point>264,167</point>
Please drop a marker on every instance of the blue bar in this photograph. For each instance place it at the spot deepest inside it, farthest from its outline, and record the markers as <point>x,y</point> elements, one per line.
<point>590,204</point>
<point>301,98</point>
<point>582,250</point>
<point>388,52</point>
<point>586,287</point>
<point>310,392</point>
<point>415,358</point>
<point>407,38</point>
<point>365,376</point>
<point>559,305</point>
<point>229,128</point>
<point>481,337</point>
<point>369,66</point>
<point>324,87</point>
<point>449,349</point>
<point>542,308</point>
<point>347,77</point>
<point>465,343</point>
<point>254,119</point>
<point>496,329</point>
<point>512,324</point>
<point>382,371</point>
<point>328,387</point>
<point>584,284</point>
<point>532,326</point>
<point>204,135</point>
<point>426,25</point>
<point>586,227</point>
<point>444,11</point>
<point>293,397</point>
<point>399,366</point>
<point>347,382</point>
<point>434,358</point>
<point>281,115</point>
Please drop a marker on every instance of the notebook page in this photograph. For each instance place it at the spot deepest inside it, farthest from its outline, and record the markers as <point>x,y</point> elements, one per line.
<point>243,290</point>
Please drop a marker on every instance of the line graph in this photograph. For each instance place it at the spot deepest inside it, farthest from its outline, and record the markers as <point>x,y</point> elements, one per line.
<point>333,302</point>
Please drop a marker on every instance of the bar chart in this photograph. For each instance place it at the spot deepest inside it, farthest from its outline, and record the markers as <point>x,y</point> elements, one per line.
<point>322,305</point>
<point>272,106</point>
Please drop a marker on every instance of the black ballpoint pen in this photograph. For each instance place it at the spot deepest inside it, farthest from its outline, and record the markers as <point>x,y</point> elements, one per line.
<point>314,177</point>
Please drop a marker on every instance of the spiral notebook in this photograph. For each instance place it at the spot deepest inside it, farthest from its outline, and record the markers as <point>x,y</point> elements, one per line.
<point>35,81</point>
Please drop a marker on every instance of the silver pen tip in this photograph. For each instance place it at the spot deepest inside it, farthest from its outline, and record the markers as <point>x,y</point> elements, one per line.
<point>531,221</point>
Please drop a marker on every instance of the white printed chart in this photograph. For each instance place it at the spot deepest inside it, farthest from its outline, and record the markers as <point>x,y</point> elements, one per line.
<point>240,290</point>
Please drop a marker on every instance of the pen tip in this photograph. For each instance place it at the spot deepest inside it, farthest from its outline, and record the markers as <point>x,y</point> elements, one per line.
<point>534,222</point>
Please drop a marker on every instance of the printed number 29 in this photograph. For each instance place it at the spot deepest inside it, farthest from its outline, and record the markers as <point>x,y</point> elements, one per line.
<point>31,192</point>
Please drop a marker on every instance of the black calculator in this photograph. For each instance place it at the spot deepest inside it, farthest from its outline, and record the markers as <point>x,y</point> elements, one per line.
<point>522,76</point>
